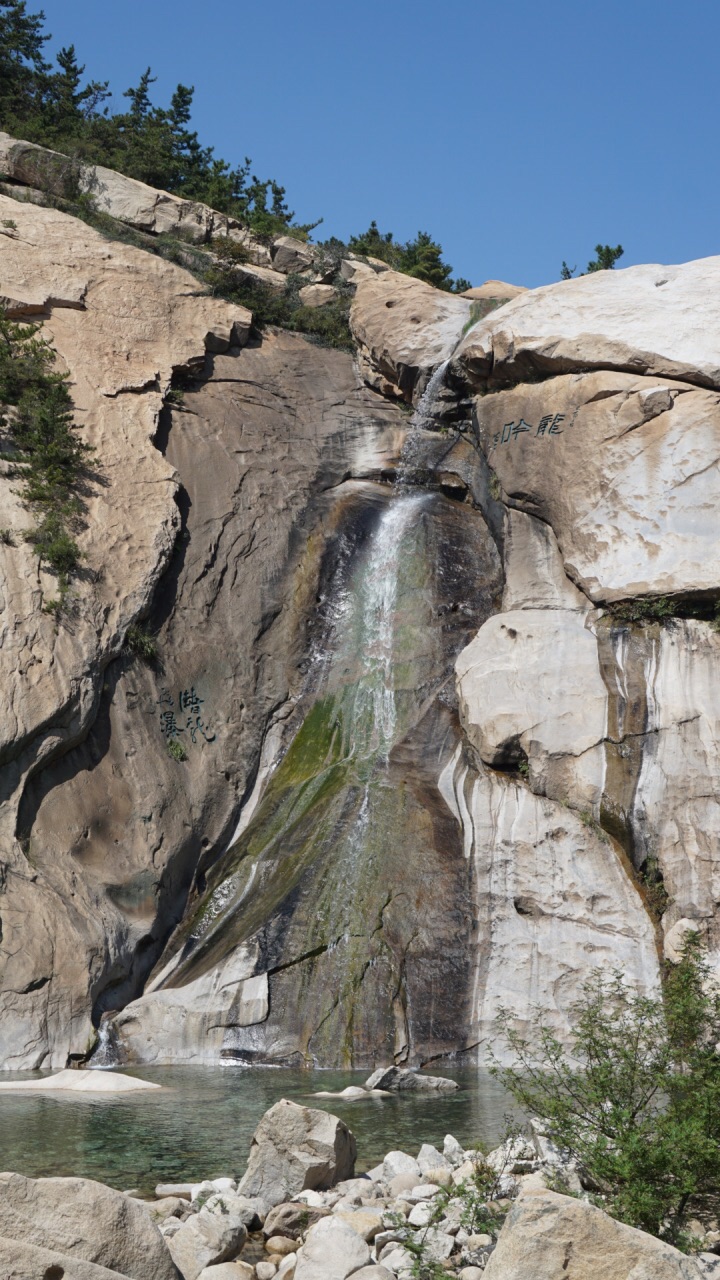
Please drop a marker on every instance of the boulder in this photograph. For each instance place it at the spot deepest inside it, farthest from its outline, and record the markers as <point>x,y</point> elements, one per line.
<point>399,1080</point>
<point>216,1234</point>
<point>292,1220</point>
<point>644,320</point>
<point>317,295</point>
<point>266,277</point>
<point>453,1152</point>
<point>553,1237</point>
<point>292,256</point>
<point>22,1261</point>
<point>366,1222</point>
<point>397,1163</point>
<point>506,703</point>
<point>404,329</point>
<point>296,1149</point>
<point>430,1159</point>
<point>374,1272</point>
<point>622,468</point>
<point>332,1251</point>
<point>494,291</point>
<point>88,1221</point>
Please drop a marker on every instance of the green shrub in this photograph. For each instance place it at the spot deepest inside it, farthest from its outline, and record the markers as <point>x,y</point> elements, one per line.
<point>635,1098</point>
<point>139,642</point>
<point>642,609</point>
<point>48,457</point>
<point>176,750</point>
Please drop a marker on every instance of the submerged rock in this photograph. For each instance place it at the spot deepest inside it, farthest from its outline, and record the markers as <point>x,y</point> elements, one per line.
<point>398,1080</point>
<point>80,1082</point>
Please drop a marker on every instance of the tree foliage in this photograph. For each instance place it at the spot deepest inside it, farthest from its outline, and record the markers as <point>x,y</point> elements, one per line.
<point>36,418</point>
<point>604,260</point>
<point>636,1098</point>
<point>421,257</point>
<point>53,106</point>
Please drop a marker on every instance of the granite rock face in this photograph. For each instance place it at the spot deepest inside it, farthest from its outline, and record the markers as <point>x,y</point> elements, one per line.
<point>653,320</point>
<point>102,832</point>
<point>427,732</point>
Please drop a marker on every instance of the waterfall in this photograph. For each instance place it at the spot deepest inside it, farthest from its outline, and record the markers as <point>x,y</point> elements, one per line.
<point>421,418</point>
<point>374,629</point>
<point>104,1056</point>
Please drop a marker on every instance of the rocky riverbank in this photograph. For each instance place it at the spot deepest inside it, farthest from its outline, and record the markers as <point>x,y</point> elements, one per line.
<point>299,1213</point>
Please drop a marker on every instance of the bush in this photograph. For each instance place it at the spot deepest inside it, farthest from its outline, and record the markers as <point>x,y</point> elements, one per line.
<point>176,750</point>
<point>636,1098</point>
<point>643,609</point>
<point>139,642</point>
<point>49,458</point>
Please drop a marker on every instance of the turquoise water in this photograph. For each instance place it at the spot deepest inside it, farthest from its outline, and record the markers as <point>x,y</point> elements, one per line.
<point>201,1124</point>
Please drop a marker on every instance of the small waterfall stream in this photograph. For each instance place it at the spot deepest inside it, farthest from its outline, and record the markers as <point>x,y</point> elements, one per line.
<point>341,827</point>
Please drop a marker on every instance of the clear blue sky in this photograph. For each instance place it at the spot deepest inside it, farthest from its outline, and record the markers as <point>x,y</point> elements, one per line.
<point>517,133</point>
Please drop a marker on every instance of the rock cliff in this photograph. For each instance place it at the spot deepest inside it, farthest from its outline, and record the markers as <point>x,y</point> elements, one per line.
<point>441,745</point>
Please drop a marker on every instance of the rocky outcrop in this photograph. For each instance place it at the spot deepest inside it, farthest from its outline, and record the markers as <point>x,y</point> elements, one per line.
<point>123,198</point>
<point>86,1220</point>
<point>553,1237</point>
<point>493,291</point>
<point>404,329</point>
<point>103,831</point>
<point>654,320</point>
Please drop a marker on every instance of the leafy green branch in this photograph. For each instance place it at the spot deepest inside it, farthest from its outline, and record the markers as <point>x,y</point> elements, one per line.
<point>42,444</point>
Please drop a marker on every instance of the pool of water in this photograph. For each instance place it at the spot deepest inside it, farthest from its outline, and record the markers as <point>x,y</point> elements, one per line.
<point>201,1124</point>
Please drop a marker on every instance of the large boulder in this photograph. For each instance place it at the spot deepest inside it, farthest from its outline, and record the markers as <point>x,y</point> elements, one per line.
<point>404,329</point>
<point>647,319</point>
<point>297,1149</point>
<point>552,1237</point>
<point>624,470</point>
<point>22,1261</point>
<point>88,1221</point>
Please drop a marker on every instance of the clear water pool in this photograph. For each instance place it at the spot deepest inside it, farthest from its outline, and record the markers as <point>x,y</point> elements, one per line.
<point>201,1124</point>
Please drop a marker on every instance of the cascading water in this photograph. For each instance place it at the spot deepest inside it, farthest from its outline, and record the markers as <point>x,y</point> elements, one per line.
<point>370,627</point>
<point>421,420</point>
<point>339,881</point>
<point>104,1056</point>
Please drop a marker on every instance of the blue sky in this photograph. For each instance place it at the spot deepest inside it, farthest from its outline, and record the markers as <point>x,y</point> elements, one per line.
<point>517,133</point>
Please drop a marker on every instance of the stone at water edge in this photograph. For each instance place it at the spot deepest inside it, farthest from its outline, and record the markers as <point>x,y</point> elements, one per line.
<point>400,1080</point>
<point>89,1221</point>
<point>429,1159</point>
<point>553,1237</point>
<point>296,1149</point>
<point>397,1163</point>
